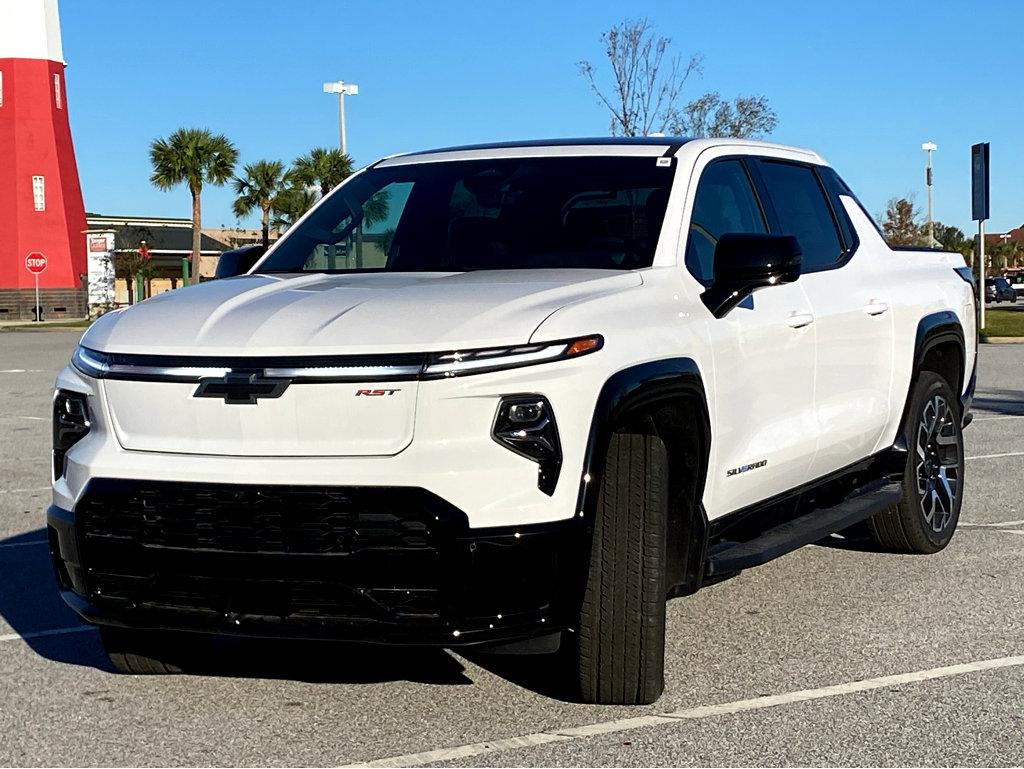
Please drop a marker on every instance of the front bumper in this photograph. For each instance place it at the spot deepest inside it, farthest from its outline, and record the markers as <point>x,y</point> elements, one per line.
<point>382,565</point>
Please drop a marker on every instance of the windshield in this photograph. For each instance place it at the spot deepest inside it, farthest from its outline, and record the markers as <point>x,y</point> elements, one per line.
<point>591,212</point>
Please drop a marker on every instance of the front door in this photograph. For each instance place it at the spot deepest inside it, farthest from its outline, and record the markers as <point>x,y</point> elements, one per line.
<point>763,356</point>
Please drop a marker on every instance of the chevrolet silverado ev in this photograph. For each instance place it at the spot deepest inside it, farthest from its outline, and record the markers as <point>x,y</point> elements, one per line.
<point>513,397</point>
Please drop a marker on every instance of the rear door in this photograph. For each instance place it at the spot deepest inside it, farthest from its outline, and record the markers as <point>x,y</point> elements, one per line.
<point>850,300</point>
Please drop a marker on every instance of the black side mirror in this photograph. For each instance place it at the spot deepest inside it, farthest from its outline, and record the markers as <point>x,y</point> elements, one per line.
<point>746,262</point>
<point>239,261</point>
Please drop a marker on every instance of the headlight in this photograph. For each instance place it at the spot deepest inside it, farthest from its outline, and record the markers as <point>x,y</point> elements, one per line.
<point>526,425</point>
<point>70,424</point>
<point>480,361</point>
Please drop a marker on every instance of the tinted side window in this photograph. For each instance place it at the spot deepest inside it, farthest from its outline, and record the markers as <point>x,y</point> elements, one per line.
<point>802,211</point>
<point>834,187</point>
<point>724,203</point>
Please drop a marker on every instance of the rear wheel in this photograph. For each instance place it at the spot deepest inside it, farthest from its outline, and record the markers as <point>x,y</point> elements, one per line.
<point>927,514</point>
<point>620,651</point>
<point>146,652</point>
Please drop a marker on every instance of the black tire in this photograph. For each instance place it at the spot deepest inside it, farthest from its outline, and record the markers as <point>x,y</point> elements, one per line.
<point>620,647</point>
<point>925,518</point>
<point>143,652</point>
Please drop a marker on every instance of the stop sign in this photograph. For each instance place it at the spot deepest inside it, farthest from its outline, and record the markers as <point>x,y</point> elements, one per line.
<point>35,262</point>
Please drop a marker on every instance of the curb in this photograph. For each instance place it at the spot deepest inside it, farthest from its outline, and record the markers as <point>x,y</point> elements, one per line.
<point>1002,340</point>
<point>40,327</point>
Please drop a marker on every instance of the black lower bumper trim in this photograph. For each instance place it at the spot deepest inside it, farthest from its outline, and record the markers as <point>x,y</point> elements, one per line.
<point>367,565</point>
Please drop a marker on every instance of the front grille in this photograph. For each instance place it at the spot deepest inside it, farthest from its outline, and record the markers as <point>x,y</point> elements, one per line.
<point>270,553</point>
<point>251,519</point>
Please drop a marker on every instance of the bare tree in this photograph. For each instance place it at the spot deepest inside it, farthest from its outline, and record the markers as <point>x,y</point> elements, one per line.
<point>646,89</point>
<point>642,94</point>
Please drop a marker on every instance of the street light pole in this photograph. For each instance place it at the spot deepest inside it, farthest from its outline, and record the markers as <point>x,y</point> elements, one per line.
<point>342,89</point>
<point>929,147</point>
<point>341,122</point>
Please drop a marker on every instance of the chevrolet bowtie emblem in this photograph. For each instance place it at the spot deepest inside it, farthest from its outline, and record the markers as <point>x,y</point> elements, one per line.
<point>241,388</point>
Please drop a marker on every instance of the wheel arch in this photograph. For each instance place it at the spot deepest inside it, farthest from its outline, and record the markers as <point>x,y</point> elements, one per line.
<point>667,397</point>
<point>939,346</point>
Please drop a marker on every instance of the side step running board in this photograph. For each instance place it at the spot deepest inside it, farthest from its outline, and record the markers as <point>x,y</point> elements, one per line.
<point>815,525</point>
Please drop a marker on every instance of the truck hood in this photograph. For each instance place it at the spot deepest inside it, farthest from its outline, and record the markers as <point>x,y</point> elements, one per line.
<point>300,314</point>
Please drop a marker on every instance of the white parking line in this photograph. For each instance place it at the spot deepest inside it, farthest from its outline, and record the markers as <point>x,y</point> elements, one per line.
<point>689,714</point>
<point>43,633</point>
<point>23,490</point>
<point>993,525</point>
<point>24,544</point>
<point>993,419</point>
<point>20,370</point>
<point>998,456</point>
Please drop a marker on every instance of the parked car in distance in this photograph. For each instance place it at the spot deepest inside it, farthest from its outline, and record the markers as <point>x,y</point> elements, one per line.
<point>1017,283</point>
<point>514,396</point>
<point>999,290</point>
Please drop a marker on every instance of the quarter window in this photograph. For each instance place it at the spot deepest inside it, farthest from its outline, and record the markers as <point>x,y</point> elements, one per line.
<point>803,211</point>
<point>724,203</point>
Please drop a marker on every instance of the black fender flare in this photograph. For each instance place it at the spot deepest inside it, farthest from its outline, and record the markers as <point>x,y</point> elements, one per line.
<point>935,329</point>
<point>626,393</point>
<point>932,330</point>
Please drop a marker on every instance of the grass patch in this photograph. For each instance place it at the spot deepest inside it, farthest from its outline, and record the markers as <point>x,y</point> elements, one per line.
<point>1003,323</point>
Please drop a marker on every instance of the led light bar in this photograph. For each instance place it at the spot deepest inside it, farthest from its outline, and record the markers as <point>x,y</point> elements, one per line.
<point>326,369</point>
<point>494,359</point>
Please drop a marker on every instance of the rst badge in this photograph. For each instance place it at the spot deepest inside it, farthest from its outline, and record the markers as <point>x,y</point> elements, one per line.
<point>377,393</point>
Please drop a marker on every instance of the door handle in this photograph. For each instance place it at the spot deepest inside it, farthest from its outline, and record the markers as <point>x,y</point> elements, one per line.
<point>876,308</point>
<point>799,320</point>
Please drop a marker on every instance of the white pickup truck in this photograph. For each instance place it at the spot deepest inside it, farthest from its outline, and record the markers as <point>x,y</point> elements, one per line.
<point>512,396</point>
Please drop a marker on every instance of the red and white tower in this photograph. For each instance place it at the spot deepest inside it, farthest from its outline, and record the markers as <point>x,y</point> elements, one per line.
<point>41,206</point>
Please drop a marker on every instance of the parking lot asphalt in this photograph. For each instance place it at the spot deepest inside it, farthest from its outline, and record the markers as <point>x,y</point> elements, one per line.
<point>834,654</point>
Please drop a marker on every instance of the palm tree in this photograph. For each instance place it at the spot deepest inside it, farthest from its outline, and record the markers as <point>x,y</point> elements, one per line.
<point>259,188</point>
<point>193,156</point>
<point>290,204</point>
<point>322,168</point>
<point>375,211</point>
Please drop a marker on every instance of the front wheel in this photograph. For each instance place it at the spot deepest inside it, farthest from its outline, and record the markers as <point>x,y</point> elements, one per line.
<point>620,646</point>
<point>925,518</point>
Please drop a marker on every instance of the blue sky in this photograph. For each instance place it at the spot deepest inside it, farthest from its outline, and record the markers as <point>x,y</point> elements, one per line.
<point>864,83</point>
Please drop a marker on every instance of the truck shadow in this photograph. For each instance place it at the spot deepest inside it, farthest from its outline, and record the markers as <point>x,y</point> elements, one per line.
<point>1003,402</point>
<point>855,538</point>
<point>30,604</point>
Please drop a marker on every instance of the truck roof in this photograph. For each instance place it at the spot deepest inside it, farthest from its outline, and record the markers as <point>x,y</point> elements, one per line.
<point>624,145</point>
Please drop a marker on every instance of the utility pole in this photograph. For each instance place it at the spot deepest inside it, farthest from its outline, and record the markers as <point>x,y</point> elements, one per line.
<point>343,89</point>
<point>930,147</point>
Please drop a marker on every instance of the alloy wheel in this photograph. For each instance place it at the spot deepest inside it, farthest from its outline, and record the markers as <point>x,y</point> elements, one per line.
<point>938,465</point>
